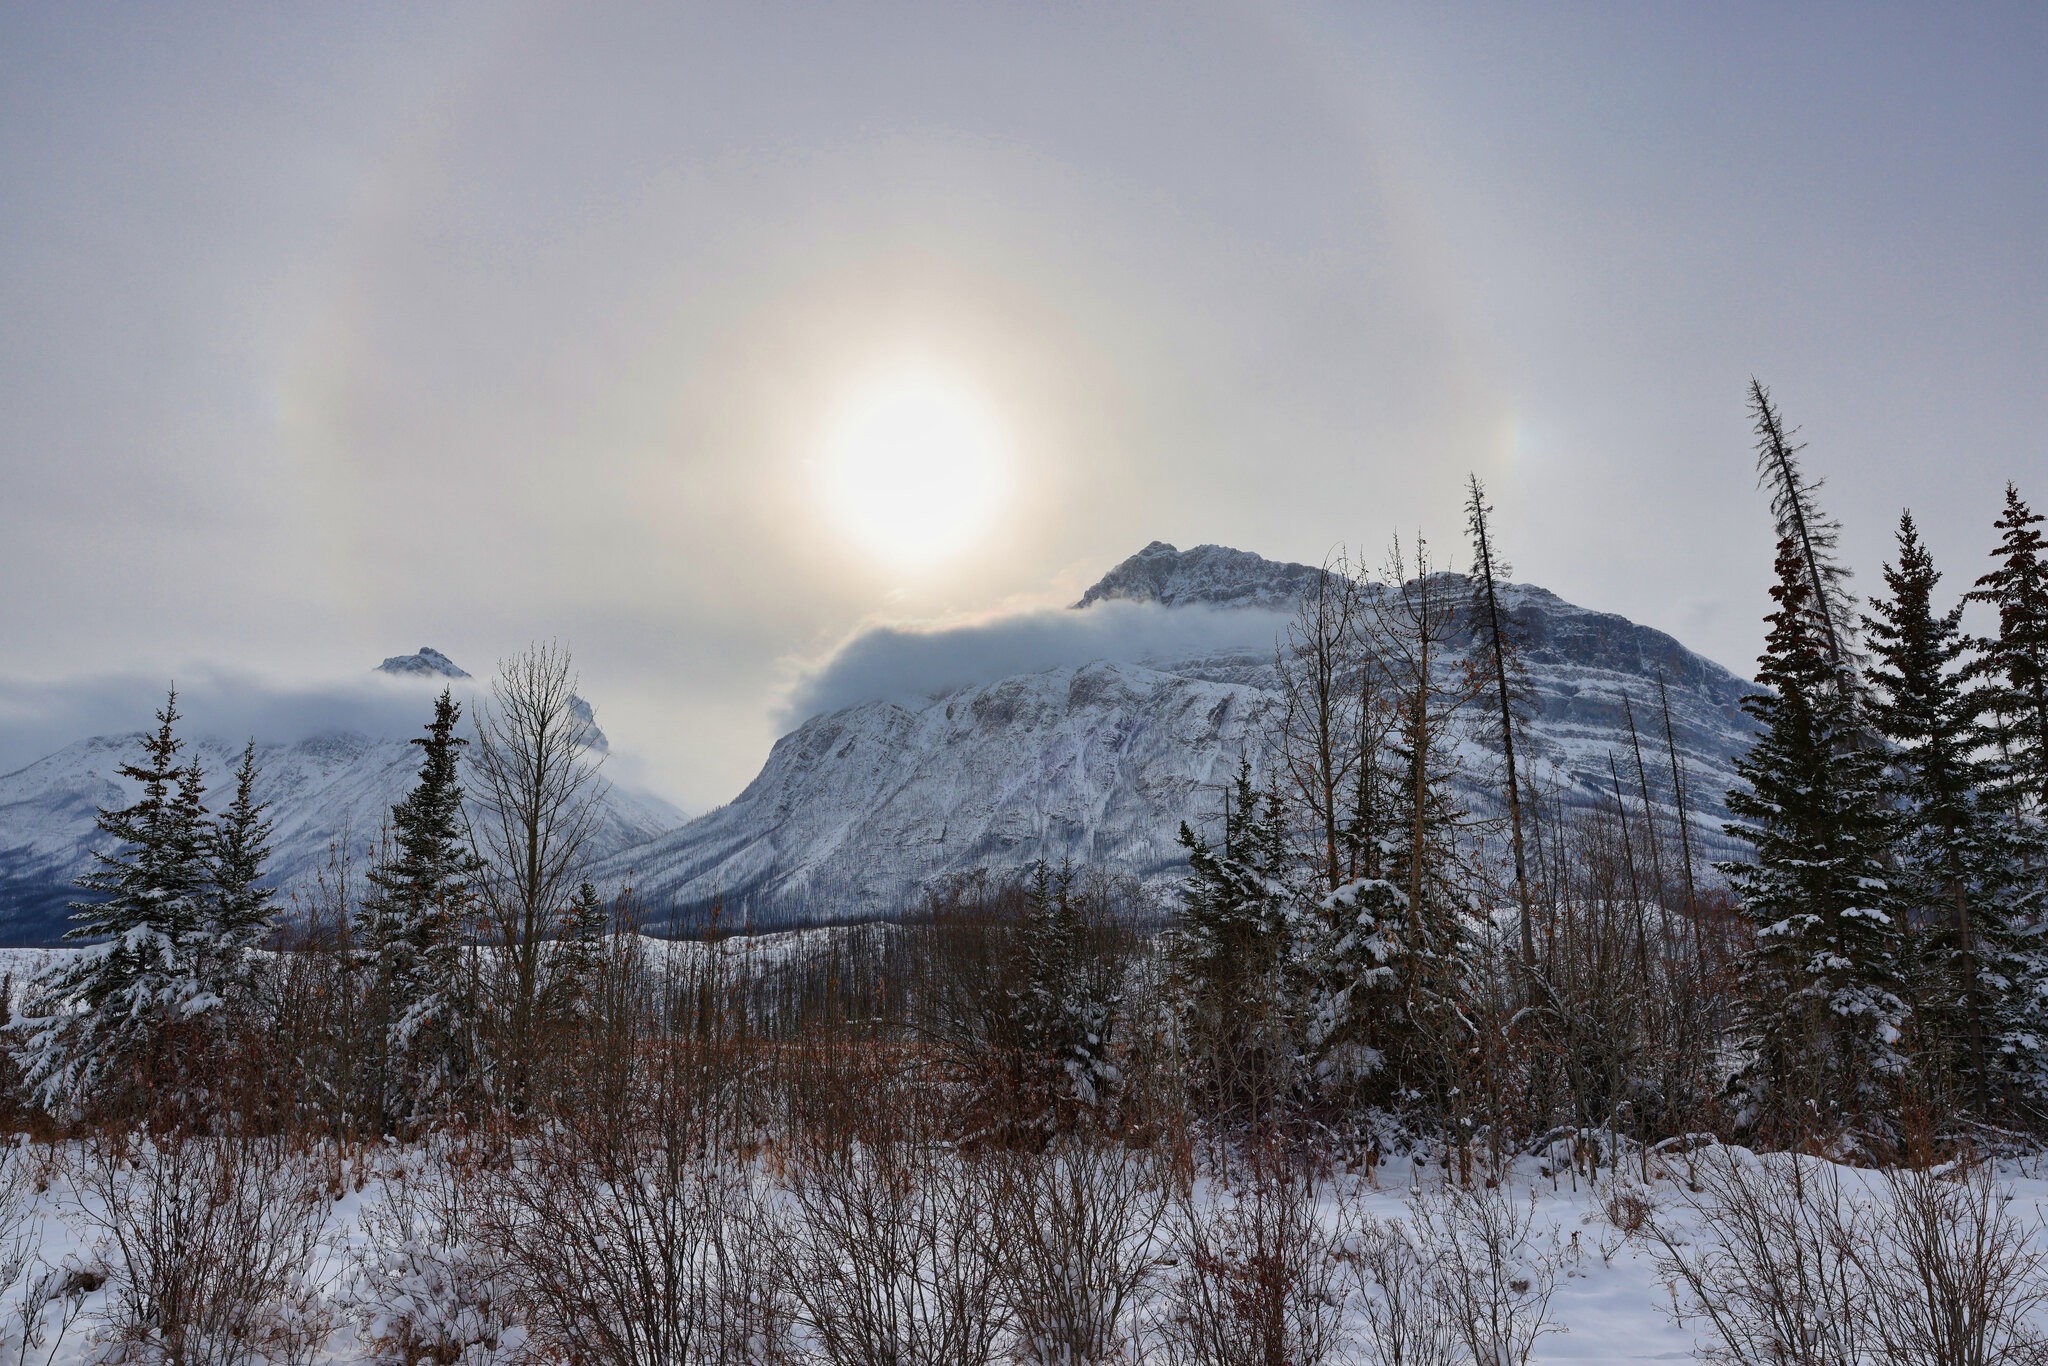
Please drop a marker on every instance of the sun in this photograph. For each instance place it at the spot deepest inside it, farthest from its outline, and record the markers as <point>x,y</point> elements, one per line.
<point>912,466</point>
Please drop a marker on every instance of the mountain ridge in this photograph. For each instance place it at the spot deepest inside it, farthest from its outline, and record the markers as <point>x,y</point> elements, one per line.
<point>330,786</point>
<point>861,810</point>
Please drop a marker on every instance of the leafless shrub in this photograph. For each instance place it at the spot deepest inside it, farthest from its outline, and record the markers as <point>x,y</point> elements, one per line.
<point>1487,1267</point>
<point>885,1249</point>
<point>1406,1322</point>
<point>211,1242</point>
<point>1258,1272</point>
<point>634,1245</point>
<point>51,1300</point>
<point>1776,1276</point>
<point>425,1288</point>
<point>1955,1280</point>
<point>45,1300</point>
<point>1075,1228</point>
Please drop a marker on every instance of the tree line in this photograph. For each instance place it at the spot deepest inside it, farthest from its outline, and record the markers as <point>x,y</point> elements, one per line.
<point>1400,929</point>
<point>1359,944</point>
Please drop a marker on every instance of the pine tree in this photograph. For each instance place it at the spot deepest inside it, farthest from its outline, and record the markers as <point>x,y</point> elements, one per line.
<point>2014,663</point>
<point>239,916</point>
<point>579,950</point>
<point>1821,1012</point>
<point>1814,535</point>
<point>1063,1006</point>
<point>1229,949</point>
<point>1955,887</point>
<point>1347,965</point>
<point>106,1013</point>
<point>1498,661</point>
<point>414,926</point>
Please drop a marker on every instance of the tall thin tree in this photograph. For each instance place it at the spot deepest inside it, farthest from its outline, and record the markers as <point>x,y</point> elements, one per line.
<point>1814,535</point>
<point>534,802</point>
<point>1491,634</point>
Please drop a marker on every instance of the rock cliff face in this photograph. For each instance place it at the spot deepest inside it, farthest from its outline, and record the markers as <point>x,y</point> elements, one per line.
<point>857,812</point>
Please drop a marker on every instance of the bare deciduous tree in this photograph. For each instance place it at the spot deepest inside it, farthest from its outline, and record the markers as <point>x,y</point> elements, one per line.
<point>1317,661</point>
<point>533,804</point>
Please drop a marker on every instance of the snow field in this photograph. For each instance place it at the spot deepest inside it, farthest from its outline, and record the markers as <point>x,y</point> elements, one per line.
<point>391,1275</point>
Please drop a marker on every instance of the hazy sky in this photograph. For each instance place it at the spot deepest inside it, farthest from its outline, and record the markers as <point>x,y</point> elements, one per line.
<point>330,331</point>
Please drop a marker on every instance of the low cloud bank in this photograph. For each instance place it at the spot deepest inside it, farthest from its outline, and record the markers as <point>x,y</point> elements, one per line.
<point>38,718</point>
<point>907,664</point>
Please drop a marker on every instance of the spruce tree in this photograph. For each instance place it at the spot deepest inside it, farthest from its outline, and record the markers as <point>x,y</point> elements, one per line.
<point>579,952</point>
<point>1064,1004</point>
<point>239,915</point>
<point>1815,536</point>
<point>1347,963</point>
<point>107,1011</point>
<point>414,925</point>
<point>1229,949</point>
<point>1499,661</point>
<point>1955,889</point>
<point>2014,662</point>
<point>1822,1012</point>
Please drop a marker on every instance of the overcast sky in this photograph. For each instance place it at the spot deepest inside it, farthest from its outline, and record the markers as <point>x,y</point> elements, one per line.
<point>331,331</point>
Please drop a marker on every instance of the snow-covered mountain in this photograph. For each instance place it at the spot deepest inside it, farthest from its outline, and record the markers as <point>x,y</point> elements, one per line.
<point>858,810</point>
<point>322,788</point>
<point>426,662</point>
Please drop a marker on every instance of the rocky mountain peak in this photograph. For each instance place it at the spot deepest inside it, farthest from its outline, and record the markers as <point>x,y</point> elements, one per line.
<point>1209,575</point>
<point>428,662</point>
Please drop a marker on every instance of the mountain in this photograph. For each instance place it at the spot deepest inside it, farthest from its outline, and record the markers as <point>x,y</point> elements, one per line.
<point>427,662</point>
<point>1208,575</point>
<point>858,811</point>
<point>322,788</point>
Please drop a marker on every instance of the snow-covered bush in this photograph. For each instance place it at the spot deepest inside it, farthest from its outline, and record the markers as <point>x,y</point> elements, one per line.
<point>1790,1264</point>
<point>637,1245</point>
<point>1405,1321</point>
<point>210,1246</point>
<point>1955,1280</point>
<point>1488,1267</point>
<point>1774,1278</point>
<point>43,1300</point>
<point>425,1287</point>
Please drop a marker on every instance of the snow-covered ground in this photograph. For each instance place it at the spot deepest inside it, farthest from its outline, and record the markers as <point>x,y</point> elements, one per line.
<point>1612,1299</point>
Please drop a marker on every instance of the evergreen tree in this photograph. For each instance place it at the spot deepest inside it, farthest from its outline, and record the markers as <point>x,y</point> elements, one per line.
<point>578,959</point>
<point>105,1012</point>
<point>1954,884</point>
<point>1347,965</point>
<point>1499,662</point>
<point>239,911</point>
<point>1814,535</point>
<point>414,926</point>
<point>1821,1010</point>
<point>1065,1004</point>
<point>2014,663</point>
<point>1229,950</point>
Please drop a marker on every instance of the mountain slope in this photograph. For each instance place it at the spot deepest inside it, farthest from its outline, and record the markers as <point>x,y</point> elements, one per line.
<point>322,789</point>
<point>856,812</point>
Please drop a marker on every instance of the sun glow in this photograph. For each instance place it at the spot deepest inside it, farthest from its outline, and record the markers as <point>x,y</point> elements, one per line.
<point>912,467</point>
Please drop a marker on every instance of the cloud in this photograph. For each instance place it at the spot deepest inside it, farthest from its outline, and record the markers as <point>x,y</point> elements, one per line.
<point>912,663</point>
<point>40,717</point>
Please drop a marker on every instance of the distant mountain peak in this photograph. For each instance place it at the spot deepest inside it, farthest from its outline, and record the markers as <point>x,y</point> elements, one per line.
<point>1211,575</point>
<point>427,663</point>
